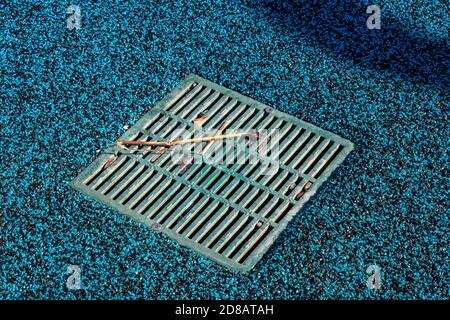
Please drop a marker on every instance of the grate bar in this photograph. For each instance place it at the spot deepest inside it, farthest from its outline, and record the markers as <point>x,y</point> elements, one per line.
<point>121,188</point>
<point>240,238</point>
<point>191,114</point>
<point>201,220</point>
<point>257,155</point>
<point>326,160</point>
<point>179,93</point>
<point>201,203</point>
<point>233,229</point>
<point>120,178</point>
<point>209,227</point>
<point>187,205</point>
<point>221,228</point>
<point>214,122</point>
<point>192,97</point>
<point>253,244</point>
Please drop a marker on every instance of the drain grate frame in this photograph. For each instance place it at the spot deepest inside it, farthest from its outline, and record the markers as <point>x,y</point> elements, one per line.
<point>229,214</point>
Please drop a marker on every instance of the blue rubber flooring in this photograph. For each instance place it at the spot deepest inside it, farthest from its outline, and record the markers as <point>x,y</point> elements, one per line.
<point>65,94</point>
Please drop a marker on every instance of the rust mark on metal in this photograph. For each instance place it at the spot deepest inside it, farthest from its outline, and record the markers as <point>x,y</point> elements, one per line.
<point>199,121</point>
<point>305,188</point>
<point>109,163</point>
<point>159,154</point>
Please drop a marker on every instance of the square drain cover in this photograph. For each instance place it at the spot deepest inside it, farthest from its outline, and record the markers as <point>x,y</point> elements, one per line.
<point>229,212</point>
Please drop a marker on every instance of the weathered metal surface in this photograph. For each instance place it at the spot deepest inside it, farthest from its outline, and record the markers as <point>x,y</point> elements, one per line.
<point>229,213</point>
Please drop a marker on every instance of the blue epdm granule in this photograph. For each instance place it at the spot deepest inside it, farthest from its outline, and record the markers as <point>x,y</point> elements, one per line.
<point>65,94</point>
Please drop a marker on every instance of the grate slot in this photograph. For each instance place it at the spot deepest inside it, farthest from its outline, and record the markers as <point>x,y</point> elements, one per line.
<point>133,177</point>
<point>186,99</point>
<point>268,122</point>
<point>202,107</point>
<point>102,170</point>
<point>273,124</point>
<point>234,116</point>
<point>286,134</point>
<point>240,242</point>
<point>283,212</point>
<point>187,205</point>
<point>158,126</point>
<point>221,185</point>
<point>236,185</point>
<point>283,129</point>
<point>291,186</point>
<point>208,230</point>
<point>278,183</point>
<point>140,196</point>
<point>118,178</point>
<point>215,176</point>
<point>203,219</point>
<point>242,195</point>
<point>204,175</point>
<point>188,219</point>
<point>239,167</point>
<point>230,212</point>
<point>268,179</point>
<point>152,122</point>
<point>243,117</point>
<point>263,203</point>
<point>170,129</point>
<point>253,244</point>
<point>262,147</point>
<point>259,176</point>
<point>233,243</point>
<point>194,169</point>
<point>282,136</point>
<point>253,170</point>
<point>319,158</point>
<point>110,171</point>
<point>229,236</point>
<point>246,120</point>
<point>137,185</point>
<point>309,149</point>
<point>214,122</point>
<point>182,92</point>
<point>213,240</point>
<point>198,100</point>
<point>155,207</point>
<point>257,120</point>
<point>297,148</point>
<point>291,140</point>
<point>327,159</point>
<point>217,108</point>
<point>299,192</point>
<point>315,155</point>
<point>269,210</point>
<point>157,192</point>
<point>242,167</point>
<point>173,206</point>
<point>251,198</point>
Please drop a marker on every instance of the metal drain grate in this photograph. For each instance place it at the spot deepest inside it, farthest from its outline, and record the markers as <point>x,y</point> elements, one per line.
<point>228,212</point>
